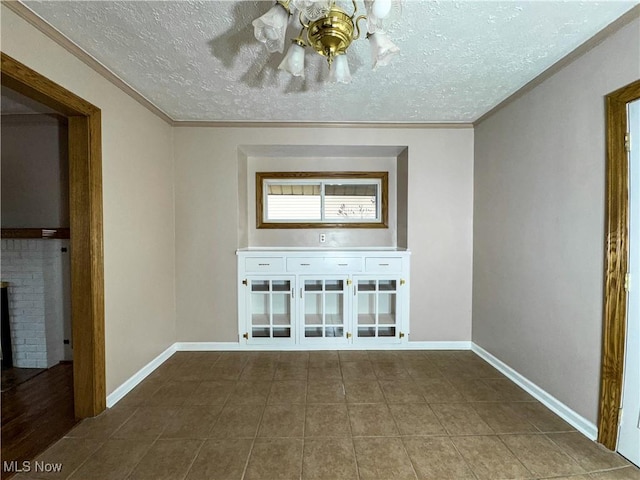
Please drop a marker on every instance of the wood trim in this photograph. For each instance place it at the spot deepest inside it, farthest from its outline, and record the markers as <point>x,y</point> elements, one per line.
<point>85,208</point>
<point>87,280</point>
<point>35,233</point>
<point>28,82</point>
<point>616,259</point>
<point>32,18</point>
<point>384,200</point>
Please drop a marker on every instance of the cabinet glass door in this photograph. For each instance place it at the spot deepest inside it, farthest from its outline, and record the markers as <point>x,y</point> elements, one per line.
<point>323,308</point>
<point>377,301</point>
<point>270,311</point>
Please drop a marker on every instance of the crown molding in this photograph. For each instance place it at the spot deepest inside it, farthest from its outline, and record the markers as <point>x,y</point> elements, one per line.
<point>17,7</point>
<point>401,125</point>
<point>572,56</point>
<point>40,24</point>
<point>58,37</point>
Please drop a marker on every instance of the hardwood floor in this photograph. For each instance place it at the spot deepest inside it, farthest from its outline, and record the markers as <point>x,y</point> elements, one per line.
<point>37,413</point>
<point>12,377</point>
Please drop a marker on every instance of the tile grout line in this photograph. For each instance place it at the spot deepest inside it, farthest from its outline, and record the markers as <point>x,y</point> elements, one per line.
<point>246,463</point>
<point>566,452</point>
<point>195,457</point>
<point>143,455</point>
<point>466,462</point>
<point>103,441</point>
<point>351,436</point>
<point>516,456</point>
<point>304,426</point>
<point>381,375</point>
<point>253,441</point>
<point>109,437</point>
<point>404,447</point>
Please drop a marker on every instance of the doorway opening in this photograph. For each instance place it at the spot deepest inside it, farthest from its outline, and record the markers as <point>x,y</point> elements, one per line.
<point>36,316</point>
<point>85,245</point>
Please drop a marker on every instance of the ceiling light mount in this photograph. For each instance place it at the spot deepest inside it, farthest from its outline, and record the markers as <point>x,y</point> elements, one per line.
<point>332,34</point>
<point>328,29</point>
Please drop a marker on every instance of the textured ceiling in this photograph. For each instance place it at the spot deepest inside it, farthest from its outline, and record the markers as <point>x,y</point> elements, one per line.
<point>198,60</point>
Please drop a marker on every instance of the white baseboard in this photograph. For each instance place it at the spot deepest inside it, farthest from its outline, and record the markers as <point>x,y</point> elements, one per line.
<point>115,396</point>
<point>234,346</point>
<point>208,346</point>
<point>436,346</point>
<point>567,414</point>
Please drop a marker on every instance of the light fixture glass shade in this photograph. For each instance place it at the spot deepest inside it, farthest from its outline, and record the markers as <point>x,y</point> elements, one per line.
<point>381,8</point>
<point>374,23</point>
<point>340,70</point>
<point>312,9</point>
<point>293,62</point>
<point>271,28</point>
<point>382,49</point>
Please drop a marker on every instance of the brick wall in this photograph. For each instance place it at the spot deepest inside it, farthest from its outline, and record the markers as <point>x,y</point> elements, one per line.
<point>37,299</point>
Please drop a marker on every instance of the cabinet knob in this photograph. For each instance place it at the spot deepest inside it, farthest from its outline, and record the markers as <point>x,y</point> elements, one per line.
<point>246,335</point>
<point>349,335</point>
<point>401,335</point>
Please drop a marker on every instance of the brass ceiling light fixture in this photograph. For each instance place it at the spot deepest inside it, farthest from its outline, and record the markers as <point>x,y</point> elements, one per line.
<point>329,30</point>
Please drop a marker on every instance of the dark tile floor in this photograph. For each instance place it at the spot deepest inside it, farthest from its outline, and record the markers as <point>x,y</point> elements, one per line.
<point>329,416</point>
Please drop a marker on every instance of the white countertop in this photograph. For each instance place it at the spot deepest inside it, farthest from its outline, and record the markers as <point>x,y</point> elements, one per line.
<point>321,249</point>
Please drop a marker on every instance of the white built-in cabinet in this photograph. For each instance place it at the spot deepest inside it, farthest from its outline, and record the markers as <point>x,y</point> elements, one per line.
<point>315,297</point>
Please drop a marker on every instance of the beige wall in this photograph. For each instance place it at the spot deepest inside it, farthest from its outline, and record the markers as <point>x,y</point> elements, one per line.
<point>170,265</point>
<point>309,237</point>
<point>208,212</point>
<point>139,229</point>
<point>539,224</point>
<point>35,172</point>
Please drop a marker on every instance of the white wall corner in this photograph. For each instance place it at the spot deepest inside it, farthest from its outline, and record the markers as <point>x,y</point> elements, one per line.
<point>117,395</point>
<point>574,419</point>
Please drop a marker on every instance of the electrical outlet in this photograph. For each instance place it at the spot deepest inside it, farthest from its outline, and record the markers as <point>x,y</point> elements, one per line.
<point>323,237</point>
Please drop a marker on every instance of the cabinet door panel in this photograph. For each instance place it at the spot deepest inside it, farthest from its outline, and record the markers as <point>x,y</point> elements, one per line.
<point>270,305</point>
<point>377,309</point>
<point>323,298</point>
<point>324,308</point>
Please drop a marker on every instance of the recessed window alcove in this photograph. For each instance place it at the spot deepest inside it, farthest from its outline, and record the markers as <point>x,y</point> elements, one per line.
<point>318,158</point>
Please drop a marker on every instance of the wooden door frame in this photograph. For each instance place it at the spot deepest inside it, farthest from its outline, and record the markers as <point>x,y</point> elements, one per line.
<point>616,263</point>
<point>85,212</point>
